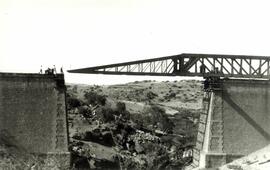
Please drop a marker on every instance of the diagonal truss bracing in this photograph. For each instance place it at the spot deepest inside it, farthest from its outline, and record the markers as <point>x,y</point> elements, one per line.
<point>190,65</point>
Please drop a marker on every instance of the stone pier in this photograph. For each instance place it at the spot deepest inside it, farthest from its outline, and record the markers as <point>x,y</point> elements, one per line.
<point>234,123</point>
<point>33,120</point>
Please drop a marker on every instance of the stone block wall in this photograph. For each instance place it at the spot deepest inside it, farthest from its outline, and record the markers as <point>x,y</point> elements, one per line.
<point>246,115</point>
<point>33,113</point>
<point>238,121</point>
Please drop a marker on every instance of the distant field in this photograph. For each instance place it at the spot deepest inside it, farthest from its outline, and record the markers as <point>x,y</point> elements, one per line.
<point>170,95</point>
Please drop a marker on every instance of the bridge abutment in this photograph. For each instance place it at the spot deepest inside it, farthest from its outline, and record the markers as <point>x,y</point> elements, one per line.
<point>234,122</point>
<point>33,121</point>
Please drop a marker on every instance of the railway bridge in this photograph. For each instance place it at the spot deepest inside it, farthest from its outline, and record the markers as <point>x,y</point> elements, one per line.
<point>236,113</point>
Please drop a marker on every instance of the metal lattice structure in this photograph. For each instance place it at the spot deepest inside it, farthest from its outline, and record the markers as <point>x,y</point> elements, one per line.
<point>205,65</point>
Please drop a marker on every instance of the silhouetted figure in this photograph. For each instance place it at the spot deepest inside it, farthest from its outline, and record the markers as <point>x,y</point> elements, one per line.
<point>202,68</point>
<point>206,83</point>
<point>61,70</point>
<point>216,70</point>
<point>40,71</point>
<point>54,69</point>
<point>49,71</point>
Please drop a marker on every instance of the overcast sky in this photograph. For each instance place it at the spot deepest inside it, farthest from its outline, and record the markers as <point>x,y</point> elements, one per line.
<point>84,33</point>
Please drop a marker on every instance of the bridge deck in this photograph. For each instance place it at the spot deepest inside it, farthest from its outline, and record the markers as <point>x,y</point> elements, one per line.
<point>204,65</point>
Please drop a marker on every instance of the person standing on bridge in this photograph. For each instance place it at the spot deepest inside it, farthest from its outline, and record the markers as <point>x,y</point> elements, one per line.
<point>40,71</point>
<point>54,69</point>
<point>202,68</point>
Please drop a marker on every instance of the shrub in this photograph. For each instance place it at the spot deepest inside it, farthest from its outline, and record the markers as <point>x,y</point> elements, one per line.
<point>155,115</point>
<point>73,102</point>
<point>83,110</point>
<point>93,98</point>
<point>172,94</point>
<point>150,95</point>
<point>107,114</point>
<point>121,109</point>
<point>75,89</point>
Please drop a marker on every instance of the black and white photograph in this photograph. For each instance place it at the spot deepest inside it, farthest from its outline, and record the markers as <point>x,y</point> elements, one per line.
<point>134,85</point>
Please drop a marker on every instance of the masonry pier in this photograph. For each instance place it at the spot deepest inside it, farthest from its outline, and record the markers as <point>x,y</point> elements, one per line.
<point>234,122</point>
<point>33,118</point>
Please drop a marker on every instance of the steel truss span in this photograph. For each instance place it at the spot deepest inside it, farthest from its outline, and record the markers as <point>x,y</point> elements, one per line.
<point>204,65</point>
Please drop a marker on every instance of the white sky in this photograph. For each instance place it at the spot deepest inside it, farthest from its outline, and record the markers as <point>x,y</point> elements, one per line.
<point>84,33</point>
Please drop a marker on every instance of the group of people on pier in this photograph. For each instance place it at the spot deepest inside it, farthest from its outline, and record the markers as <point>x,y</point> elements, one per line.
<point>51,71</point>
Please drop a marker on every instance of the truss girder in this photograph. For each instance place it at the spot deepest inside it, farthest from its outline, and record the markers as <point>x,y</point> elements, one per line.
<point>190,65</point>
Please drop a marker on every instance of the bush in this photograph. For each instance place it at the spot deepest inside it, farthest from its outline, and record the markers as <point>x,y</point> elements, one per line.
<point>75,89</point>
<point>121,109</point>
<point>156,116</point>
<point>73,102</point>
<point>107,114</point>
<point>150,95</point>
<point>85,111</point>
<point>172,95</point>
<point>93,98</point>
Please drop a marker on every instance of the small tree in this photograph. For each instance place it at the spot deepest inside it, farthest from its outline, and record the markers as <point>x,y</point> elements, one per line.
<point>73,102</point>
<point>107,114</point>
<point>155,115</point>
<point>121,109</point>
<point>151,95</point>
<point>93,98</point>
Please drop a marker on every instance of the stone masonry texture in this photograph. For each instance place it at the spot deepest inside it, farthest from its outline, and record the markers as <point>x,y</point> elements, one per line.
<point>33,112</point>
<point>246,115</point>
<point>239,123</point>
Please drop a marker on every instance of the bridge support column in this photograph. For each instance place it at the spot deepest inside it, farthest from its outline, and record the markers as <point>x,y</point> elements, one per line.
<point>212,149</point>
<point>234,122</point>
<point>33,122</point>
<point>209,150</point>
<point>209,146</point>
